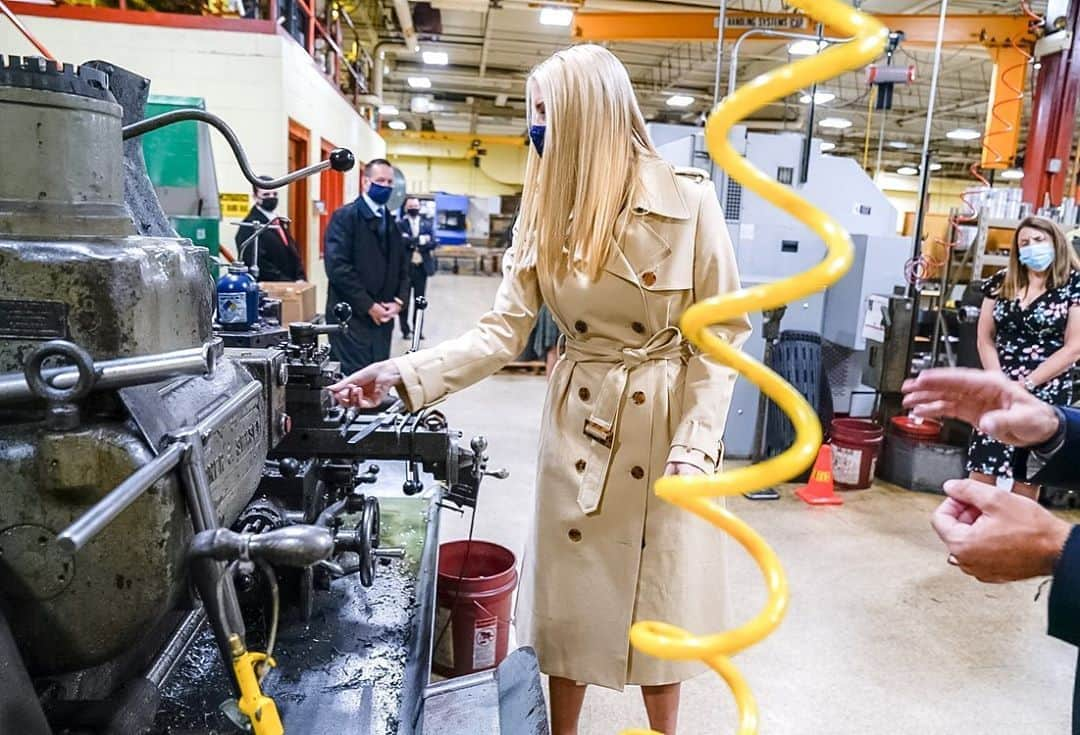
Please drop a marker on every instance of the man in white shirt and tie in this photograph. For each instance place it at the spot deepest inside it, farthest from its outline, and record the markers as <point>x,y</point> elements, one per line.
<point>418,235</point>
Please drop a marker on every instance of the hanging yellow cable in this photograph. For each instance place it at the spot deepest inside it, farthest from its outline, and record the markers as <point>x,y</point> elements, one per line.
<point>696,494</point>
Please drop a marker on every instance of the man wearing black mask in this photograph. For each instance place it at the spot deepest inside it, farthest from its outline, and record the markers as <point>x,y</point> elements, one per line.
<point>367,265</point>
<point>279,256</point>
<point>420,241</point>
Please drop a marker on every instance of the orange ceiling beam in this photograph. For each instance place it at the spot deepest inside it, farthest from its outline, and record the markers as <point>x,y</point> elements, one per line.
<point>919,30</point>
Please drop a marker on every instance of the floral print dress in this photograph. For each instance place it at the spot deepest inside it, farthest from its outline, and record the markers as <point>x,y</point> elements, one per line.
<point>1024,339</point>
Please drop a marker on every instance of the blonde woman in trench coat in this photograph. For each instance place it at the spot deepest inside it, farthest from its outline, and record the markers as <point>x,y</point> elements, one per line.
<point>618,244</point>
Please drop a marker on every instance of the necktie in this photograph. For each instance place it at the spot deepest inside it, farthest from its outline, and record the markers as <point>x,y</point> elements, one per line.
<point>276,227</point>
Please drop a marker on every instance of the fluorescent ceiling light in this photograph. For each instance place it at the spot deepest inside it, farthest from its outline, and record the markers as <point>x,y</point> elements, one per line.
<point>836,123</point>
<point>1011,174</point>
<point>436,58</point>
<point>420,105</point>
<point>556,16</point>
<point>935,166</point>
<point>388,110</point>
<point>805,47</point>
<point>827,146</point>
<point>419,82</point>
<point>820,98</point>
<point>396,125</point>
<point>963,134</point>
<point>907,171</point>
<point>680,100</point>
<point>898,144</point>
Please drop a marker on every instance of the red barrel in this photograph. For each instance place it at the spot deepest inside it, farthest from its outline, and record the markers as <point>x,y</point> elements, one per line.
<point>472,627</point>
<point>856,445</point>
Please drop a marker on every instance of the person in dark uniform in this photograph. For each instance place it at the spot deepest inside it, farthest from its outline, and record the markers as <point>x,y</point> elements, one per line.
<point>367,266</point>
<point>419,237</point>
<point>279,256</point>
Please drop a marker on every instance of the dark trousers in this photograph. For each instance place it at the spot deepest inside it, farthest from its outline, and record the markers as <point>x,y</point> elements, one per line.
<point>363,344</point>
<point>418,280</point>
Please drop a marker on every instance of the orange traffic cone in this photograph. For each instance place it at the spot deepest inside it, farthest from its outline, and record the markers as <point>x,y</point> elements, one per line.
<point>820,489</point>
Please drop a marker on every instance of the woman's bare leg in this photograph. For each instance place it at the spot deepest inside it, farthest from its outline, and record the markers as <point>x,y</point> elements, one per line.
<point>662,704</point>
<point>566,698</point>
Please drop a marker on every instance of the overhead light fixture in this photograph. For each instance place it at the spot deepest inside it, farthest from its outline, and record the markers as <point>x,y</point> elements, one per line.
<point>501,100</point>
<point>419,82</point>
<point>828,146</point>
<point>820,98</point>
<point>806,47</point>
<point>898,144</point>
<point>680,100</point>
<point>420,105</point>
<point>935,166</point>
<point>836,123</point>
<point>907,171</point>
<point>1011,174</point>
<point>963,134</point>
<point>556,16</point>
<point>436,58</point>
<point>397,125</point>
<point>388,110</point>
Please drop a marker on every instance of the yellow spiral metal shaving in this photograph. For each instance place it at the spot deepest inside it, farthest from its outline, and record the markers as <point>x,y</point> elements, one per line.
<point>696,493</point>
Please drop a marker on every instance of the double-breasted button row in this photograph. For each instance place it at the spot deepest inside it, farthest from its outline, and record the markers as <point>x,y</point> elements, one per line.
<point>638,327</point>
<point>638,398</point>
<point>637,473</point>
<point>583,394</point>
<point>580,465</point>
<point>581,327</point>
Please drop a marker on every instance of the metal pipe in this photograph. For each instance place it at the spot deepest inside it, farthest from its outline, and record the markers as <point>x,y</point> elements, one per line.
<point>25,31</point>
<point>177,646</point>
<point>721,23</point>
<point>404,16</point>
<point>122,372</point>
<point>91,523</point>
<point>168,118</point>
<point>924,183</point>
<point>804,157</point>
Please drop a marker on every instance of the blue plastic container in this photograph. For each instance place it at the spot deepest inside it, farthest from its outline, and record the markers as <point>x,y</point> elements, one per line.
<point>237,299</point>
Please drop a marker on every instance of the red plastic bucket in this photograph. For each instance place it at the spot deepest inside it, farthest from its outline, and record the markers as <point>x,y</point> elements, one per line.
<point>856,445</point>
<point>472,624</point>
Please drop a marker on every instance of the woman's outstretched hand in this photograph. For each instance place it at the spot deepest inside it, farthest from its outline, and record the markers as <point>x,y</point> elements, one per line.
<point>367,387</point>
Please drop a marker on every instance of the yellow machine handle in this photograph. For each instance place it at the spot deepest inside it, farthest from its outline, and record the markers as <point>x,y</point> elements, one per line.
<point>253,704</point>
<point>697,493</point>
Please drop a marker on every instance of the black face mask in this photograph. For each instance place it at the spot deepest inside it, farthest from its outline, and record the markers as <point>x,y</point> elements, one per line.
<point>269,203</point>
<point>413,212</point>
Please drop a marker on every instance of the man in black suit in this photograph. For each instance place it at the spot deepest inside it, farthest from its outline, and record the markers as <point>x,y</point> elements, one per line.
<point>996,536</point>
<point>279,256</point>
<point>419,238</point>
<point>367,265</point>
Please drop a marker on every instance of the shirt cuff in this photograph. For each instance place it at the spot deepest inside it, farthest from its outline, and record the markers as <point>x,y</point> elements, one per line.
<point>693,457</point>
<point>1040,455</point>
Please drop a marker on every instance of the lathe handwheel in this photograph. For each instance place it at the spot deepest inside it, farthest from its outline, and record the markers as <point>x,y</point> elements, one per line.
<point>369,540</point>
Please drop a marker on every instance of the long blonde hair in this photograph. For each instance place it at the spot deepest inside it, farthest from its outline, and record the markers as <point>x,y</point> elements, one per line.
<point>575,192</point>
<point>1065,259</point>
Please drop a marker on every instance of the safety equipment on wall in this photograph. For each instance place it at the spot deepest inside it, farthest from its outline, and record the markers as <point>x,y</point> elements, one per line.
<point>696,493</point>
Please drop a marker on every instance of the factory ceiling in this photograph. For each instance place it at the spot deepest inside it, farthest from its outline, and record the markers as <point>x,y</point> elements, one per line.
<point>490,47</point>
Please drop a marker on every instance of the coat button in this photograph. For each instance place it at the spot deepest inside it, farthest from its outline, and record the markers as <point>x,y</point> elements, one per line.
<point>574,534</point>
<point>648,278</point>
<point>638,327</point>
<point>637,473</point>
<point>580,465</point>
<point>581,326</point>
<point>584,394</point>
<point>638,398</point>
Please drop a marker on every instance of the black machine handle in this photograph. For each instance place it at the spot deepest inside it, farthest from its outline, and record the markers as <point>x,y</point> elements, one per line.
<point>301,333</point>
<point>340,159</point>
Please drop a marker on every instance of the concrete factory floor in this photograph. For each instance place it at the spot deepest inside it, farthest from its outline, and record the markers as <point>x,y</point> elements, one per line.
<point>882,636</point>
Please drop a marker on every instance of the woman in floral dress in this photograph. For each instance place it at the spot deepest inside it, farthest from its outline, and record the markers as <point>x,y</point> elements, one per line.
<point>1029,328</point>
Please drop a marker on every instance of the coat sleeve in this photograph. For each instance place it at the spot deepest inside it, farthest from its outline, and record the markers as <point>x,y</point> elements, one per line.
<point>340,271</point>
<point>708,385</point>
<point>431,374</point>
<point>1065,592</point>
<point>1061,470</point>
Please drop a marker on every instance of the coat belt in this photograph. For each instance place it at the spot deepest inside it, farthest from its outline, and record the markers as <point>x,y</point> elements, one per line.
<point>665,345</point>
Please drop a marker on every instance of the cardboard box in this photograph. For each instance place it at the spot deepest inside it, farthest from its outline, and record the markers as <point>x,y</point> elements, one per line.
<point>297,299</point>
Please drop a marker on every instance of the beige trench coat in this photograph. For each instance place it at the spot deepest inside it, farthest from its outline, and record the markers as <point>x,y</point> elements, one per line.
<point>628,396</point>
